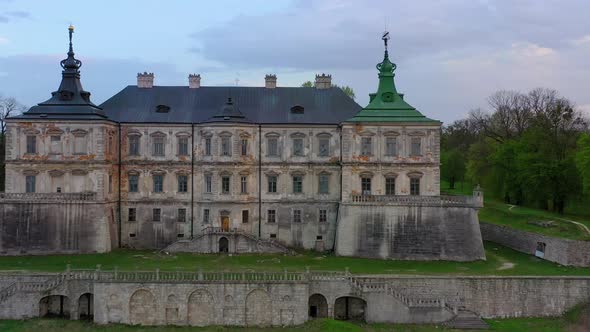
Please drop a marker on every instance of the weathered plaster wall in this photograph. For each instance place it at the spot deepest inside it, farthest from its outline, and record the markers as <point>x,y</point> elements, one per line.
<point>409,232</point>
<point>56,227</point>
<point>559,250</point>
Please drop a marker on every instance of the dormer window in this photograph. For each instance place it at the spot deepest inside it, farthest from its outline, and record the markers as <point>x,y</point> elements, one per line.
<point>162,109</point>
<point>66,95</point>
<point>297,109</point>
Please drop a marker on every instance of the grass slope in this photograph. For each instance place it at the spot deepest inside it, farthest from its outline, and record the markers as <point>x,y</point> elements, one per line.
<point>518,217</point>
<point>499,259</point>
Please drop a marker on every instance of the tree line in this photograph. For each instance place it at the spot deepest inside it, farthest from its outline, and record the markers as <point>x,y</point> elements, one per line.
<point>8,107</point>
<point>529,149</point>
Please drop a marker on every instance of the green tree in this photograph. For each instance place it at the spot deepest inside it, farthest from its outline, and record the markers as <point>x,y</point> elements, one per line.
<point>453,166</point>
<point>583,161</point>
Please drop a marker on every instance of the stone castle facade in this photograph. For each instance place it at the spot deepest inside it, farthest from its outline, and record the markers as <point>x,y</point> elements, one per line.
<point>231,169</point>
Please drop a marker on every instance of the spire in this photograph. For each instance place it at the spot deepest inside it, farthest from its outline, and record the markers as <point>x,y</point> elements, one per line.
<point>70,98</point>
<point>387,105</point>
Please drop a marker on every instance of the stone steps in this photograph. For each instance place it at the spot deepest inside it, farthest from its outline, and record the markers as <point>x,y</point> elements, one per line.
<point>467,320</point>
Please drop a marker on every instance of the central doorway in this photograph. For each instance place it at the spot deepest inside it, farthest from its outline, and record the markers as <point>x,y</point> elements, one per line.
<point>223,245</point>
<point>224,223</point>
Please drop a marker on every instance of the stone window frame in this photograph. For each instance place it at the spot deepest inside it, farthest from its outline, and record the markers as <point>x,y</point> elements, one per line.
<point>276,183</point>
<point>130,215</point>
<point>30,180</point>
<point>297,216</point>
<point>156,214</point>
<point>179,176</point>
<point>324,136</point>
<point>274,136</point>
<point>180,137</point>
<point>245,216</point>
<point>79,134</point>
<point>158,173</point>
<point>324,218</point>
<point>158,135</point>
<point>134,134</point>
<point>129,175</point>
<point>55,132</point>
<point>363,176</point>
<point>416,136</point>
<point>181,215</point>
<point>294,175</point>
<point>206,216</point>
<point>274,216</point>
<point>244,143</point>
<point>299,137</point>
<point>225,137</point>
<point>244,175</point>
<point>415,175</point>
<point>31,133</point>
<point>387,137</point>
<point>390,176</point>
<point>223,175</point>
<point>366,135</point>
<point>207,138</point>
<point>208,181</point>
<point>327,175</point>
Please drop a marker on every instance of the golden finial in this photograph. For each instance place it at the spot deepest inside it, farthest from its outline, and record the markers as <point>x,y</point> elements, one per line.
<point>71,28</point>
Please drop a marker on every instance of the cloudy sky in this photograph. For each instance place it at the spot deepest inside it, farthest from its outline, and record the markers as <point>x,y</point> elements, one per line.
<point>451,54</point>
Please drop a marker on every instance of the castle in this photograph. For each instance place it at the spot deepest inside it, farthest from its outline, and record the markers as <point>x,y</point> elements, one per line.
<point>231,169</point>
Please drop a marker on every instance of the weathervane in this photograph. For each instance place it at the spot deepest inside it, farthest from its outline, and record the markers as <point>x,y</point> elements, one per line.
<point>385,39</point>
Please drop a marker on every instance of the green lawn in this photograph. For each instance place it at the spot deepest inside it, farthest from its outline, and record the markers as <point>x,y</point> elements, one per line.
<point>528,219</point>
<point>500,261</point>
<point>556,324</point>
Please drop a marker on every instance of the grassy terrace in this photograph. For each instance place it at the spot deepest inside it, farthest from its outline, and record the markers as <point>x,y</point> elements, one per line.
<point>529,219</point>
<point>500,261</point>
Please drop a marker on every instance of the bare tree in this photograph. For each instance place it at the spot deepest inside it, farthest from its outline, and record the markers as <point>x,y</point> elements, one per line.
<point>8,107</point>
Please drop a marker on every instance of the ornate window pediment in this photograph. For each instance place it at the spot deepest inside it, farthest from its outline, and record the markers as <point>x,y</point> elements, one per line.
<point>133,132</point>
<point>183,134</point>
<point>415,174</point>
<point>158,172</point>
<point>30,172</point>
<point>416,133</point>
<point>225,134</point>
<point>366,174</point>
<point>391,133</point>
<point>79,172</point>
<point>79,132</point>
<point>245,134</point>
<point>31,131</point>
<point>158,134</point>
<point>54,173</point>
<point>297,135</point>
<point>366,133</point>
<point>390,175</point>
<point>54,132</point>
<point>272,134</point>
<point>324,135</point>
<point>133,172</point>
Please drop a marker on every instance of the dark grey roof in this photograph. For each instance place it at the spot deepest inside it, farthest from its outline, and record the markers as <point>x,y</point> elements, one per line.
<point>257,104</point>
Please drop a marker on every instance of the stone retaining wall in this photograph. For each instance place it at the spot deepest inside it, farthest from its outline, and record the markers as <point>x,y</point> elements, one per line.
<point>559,250</point>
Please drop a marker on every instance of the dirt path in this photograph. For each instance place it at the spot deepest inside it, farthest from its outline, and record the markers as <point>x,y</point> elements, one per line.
<point>579,224</point>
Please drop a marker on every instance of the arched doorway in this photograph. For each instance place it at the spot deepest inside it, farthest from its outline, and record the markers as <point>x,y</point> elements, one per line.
<point>350,308</point>
<point>318,306</point>
<point>258,308</point>
<point>142,308</point>
<point>54,306</point>
<point>223,245</point>
<point>86,306</point>
<point>200,308</point>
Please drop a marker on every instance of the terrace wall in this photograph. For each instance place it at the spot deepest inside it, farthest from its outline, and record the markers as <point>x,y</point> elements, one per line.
<point>559,250</point>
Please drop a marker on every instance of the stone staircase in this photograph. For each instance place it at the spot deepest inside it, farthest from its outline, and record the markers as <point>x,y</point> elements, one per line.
<point>25,286</point>
<point>467,320</point>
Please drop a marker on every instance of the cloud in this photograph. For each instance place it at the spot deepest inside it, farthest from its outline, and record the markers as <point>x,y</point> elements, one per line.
<point>4,40</point>
<point>9,16</point>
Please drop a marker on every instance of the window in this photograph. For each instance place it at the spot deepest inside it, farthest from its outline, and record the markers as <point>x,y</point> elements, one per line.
<point>158,148</point>
<point>271,216</point>
<point>244,184</point>
<point>30,183</point>
<point>181,217</point>
<point>414,186</point>
<point>244,146</point>
<point>208,186</point>
<point>366,185</point>
<point>416,146</point>
<point>273,236</point>
<point>323,187</point>
<point>206,216</point>
<point>134,145</point>
<point>80,141</point>
<point>208,146</point>
<point>390,146</point>
<point>183,146</point>
<point>158,183</point>
<point>110,183</point>
<point>245,216</point>
<point>133,183</point>
<point>225,184</point>
<point>324,147</point>
<point>156,214</point>
<point>298,146</point>
<point>132,214</point>
<point>323,216</point>
<point>31,144</point>
<point>182,183</point>
<point>319,237</point>
<point>297,184</point>
<point>226,146</point>
<point>296,215</point>
<point>366,146</point>
<point>55,144</point>
<point>273,147</point>
<point>390,186</point>
<point>272,183</point>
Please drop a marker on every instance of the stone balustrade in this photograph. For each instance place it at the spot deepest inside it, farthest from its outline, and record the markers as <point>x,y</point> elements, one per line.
<point>49,197</point>
<point>403,200</point>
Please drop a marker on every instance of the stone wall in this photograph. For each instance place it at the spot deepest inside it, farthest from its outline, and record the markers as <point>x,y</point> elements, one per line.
<point>50,227</point>
<point>559,250</point>
<point>409,232</point>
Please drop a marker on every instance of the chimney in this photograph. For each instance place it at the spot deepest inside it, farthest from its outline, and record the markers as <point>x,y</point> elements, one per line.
<point>270,81</point>
<point>145,80</point>
<point>323,81</point>
<point>194,81</point>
